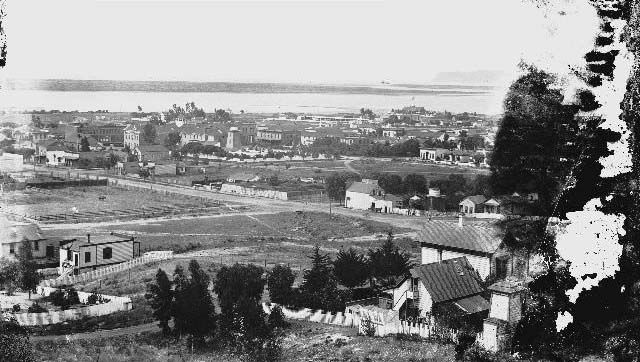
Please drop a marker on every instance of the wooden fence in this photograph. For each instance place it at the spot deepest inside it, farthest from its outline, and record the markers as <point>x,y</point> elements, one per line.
<point>115,304</point>
<point>102,272</point>
<point>383,325</point>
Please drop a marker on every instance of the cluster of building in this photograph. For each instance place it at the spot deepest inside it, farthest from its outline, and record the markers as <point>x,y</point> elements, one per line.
<point>71,255</point>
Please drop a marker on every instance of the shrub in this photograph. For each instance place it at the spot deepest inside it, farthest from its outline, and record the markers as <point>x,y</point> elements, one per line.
<point>479,354</point>
<point>16,308</point>
<point>276,318</point>
<point>93,299</point>
<point>37,308</point>
<point>368,328</point>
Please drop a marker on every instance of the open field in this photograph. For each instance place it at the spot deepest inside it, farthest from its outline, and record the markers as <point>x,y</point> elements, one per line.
<point>225,230</point>
<point>96,202</point>
<point>303,341</point>
<point>428,170</point>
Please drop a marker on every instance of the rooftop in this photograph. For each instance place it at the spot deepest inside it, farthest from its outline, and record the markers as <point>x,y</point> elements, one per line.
<point>98,239</point>
<point>449,280</point>
<point>485,238</point>
<point>362,187</point>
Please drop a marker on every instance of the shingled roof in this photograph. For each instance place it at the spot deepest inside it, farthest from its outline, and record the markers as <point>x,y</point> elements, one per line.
<point>485,238</point>
<point>448,280</point>
<point>362,187</point>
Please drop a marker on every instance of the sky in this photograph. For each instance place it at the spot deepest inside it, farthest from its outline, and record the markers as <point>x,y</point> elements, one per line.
<point>331,41</point>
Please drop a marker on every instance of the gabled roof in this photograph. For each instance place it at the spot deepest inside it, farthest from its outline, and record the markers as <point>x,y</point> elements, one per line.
<point>449,280</point>
<point>13,231</point>
<point>362,188</point>
<point>477,199</point>
<point>484,239</point>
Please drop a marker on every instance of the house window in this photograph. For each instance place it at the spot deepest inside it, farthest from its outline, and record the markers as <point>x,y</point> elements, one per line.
<point>106,253</point>
<point>36,245</point>
<point>12,248</point>
<point>49,252</point>
<point>87,257</point>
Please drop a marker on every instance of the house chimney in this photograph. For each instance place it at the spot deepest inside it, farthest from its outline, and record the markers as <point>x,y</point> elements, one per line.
<point>460,220</point>
<point>88,238</point>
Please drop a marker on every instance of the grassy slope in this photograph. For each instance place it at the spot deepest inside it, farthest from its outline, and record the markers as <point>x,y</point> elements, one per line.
<point>304,342</point>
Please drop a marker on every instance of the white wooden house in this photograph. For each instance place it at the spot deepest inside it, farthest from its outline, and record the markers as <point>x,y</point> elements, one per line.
<point>452,281</point>
<point>83,255</point>
<point>480,244</point>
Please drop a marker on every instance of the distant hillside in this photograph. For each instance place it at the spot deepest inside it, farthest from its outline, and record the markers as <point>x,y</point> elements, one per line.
<point>479,77</point>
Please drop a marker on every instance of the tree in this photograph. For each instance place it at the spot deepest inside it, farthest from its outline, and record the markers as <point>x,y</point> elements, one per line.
<point>201,319</point>
<point>30,277</point>
<point>336,184</point>
<point>367,113</point>
<point>144,173</point>
<point>280,283</point>
<point>84,145</point>
<point>530,151</point>
<point>181,307</point>
<point>388,263</point>
<point>14,342</point>
<point>160,296</point>
<point>148,134</point>
<point>242,319</point>
<point>351,268</point>
<point>112,160</point>
<point>391,183</point>
<point>172,140</point>
<point>10,275</point>
<point>319,289</point>
<point>415,183</point>
<point>139,109</point>
<point>221,116</point>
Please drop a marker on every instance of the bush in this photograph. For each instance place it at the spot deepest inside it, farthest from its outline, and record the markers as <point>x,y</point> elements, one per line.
<point>276,318</point>
<point>479,354</point>
<point>466,339</point>
<point>16,308</point>
<point>93,299</point>
<point>64,298</point>
<point>368,328</point>
<point>37,308</point>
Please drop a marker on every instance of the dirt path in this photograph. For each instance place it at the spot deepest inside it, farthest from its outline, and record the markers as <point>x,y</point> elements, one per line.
<point>347,164</point>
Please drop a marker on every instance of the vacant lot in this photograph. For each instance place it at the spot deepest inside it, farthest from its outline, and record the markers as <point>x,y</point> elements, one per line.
<point>94,199</point>
<point>403,168</point>
<point>304,341</point>
<point>252,228</point>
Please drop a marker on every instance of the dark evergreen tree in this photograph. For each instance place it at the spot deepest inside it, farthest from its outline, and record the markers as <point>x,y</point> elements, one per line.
<point>280,283</point>
<point>181,306</point>
<point>84,145</point>
<point>160,296</point>
<point>319,289</point>
<point>351,268</point>
<point>201,317</point>
<point>415,183</point>
<point>388,263</point>
<point>30,276</point>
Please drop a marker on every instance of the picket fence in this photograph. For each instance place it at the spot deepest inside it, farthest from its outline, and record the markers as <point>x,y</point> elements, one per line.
<point>114,304</point>
<point>111,269</point>
<point>384,326</point>
<point>317,316</point>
